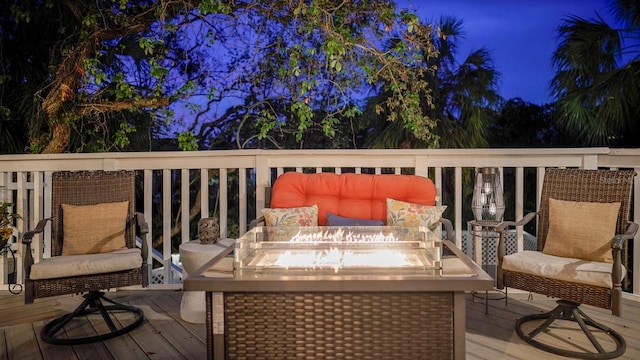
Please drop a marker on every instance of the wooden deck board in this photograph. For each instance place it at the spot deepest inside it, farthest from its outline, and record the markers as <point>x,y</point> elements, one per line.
<point>121,347</point>
<point>497,339</point>
<point>182,340</point>
<point>171,304</point>
<point>94,351</point>
<point>51,352</point>
<point>164,335</point>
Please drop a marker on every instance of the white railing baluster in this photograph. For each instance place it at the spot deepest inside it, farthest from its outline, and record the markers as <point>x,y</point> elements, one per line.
<point>185,204</point>
<point>204,193</point>
<point>519,204</point>
<point>166,224</point>
<point>222,202</point>
<point>458,206</point>
<point>148,210</point>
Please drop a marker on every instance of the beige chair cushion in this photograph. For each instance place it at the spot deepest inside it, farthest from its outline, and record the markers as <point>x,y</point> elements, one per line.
<point>94,229</point>
<point>89,264</point>
<point>581,230</point>
<point>561,268</point>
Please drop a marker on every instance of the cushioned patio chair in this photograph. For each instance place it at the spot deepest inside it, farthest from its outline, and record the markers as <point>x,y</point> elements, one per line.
<point>93,248</point>
<point>581,247</point>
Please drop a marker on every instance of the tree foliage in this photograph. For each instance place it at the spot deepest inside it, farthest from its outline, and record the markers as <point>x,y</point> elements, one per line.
<point>463,95</point>
<point>99,74</point>
<point>298,72</point>
<point>597,80</point>
<point>523,124</point>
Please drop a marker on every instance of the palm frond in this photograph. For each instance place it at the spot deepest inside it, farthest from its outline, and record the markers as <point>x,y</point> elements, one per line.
<point>597,94</point>
<point>626,10</point>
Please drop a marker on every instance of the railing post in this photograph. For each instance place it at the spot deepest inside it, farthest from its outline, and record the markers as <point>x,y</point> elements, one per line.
<point>263,179</point>
<point>422,166</point>
<point>590,161</point>
<point>148,208</point>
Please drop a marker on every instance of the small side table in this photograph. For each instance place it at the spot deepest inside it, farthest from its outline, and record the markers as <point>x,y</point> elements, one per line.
<point>194,255</point>
<point>483,233</point>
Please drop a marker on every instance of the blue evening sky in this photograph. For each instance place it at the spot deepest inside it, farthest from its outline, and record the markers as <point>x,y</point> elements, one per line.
<point>520,34</point>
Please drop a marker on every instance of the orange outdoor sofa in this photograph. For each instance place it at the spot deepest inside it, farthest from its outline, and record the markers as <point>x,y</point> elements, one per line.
<point>359,196</point>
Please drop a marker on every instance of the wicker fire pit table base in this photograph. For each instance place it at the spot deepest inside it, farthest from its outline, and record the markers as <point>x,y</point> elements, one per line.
<point>343,325</point>
<point>256,310</point>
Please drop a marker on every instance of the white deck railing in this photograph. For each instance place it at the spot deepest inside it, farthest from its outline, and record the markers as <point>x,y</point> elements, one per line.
<point>174,178</point>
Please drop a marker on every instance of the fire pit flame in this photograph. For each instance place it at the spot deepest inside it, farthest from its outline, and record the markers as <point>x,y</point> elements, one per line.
<point>340,236</point>
<point>349,250</point>
<point>336,259</point>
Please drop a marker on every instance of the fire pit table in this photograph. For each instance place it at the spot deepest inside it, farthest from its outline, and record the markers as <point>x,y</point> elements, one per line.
<point>338,293</point>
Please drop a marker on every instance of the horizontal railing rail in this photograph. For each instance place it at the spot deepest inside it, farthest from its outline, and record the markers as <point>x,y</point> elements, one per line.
<point>175,187</point>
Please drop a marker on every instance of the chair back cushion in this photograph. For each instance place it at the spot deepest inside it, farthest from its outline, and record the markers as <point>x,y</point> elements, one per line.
<point>357,196</point>
<point>90,188</point>
<point>93,229</point>
<point>581,230</point>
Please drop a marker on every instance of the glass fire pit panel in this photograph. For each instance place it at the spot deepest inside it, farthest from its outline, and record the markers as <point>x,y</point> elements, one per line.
<point>338,249</point>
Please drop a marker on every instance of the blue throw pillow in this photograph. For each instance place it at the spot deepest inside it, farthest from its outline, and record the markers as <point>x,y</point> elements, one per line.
<point>336,220</point>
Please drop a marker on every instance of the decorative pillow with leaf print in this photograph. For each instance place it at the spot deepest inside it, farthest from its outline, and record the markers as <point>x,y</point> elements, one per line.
<point>401,213</point>
<point>296,216</point>
<point>281,223</point>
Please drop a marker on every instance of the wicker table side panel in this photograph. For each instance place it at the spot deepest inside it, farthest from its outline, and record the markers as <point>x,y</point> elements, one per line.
<point>583,294</point>
<point>339,325</point>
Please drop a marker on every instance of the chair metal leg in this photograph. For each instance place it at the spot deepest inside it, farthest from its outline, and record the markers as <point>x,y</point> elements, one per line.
<point>93,304</point>
<point>569,311</point>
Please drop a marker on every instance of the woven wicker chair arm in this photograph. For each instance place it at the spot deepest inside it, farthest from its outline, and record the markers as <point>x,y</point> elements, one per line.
<point>144,229</point>
<point>142,223</point>
<point>255,222</point>
<point>501,229</point>
<point>617,245</point>
<point>618,240</point>
<point>448,227</point>
<point>28,236</point>
<point>504,225</point>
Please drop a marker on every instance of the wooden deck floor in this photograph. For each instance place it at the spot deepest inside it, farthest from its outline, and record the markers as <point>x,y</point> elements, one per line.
<point>164,335</point>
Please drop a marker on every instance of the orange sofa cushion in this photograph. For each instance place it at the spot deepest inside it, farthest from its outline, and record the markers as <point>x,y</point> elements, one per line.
<point>360,196</point>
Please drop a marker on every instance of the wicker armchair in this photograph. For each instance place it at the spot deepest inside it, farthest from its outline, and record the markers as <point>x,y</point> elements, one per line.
<point>73,270</point>
<point>573,281</point>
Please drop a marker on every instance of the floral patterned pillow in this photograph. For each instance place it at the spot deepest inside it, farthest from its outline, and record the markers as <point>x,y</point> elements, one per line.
<point>401,213</point>
<point>297,216</point>
<point>281,223</point>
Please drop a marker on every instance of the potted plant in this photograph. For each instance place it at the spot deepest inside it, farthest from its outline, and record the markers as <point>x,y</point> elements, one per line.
<point>6,222</point>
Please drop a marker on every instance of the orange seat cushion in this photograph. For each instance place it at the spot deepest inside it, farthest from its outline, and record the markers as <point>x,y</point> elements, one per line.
<point>360,196</point>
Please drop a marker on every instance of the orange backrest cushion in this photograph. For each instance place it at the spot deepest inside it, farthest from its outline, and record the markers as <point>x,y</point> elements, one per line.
<point>360,196</point>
